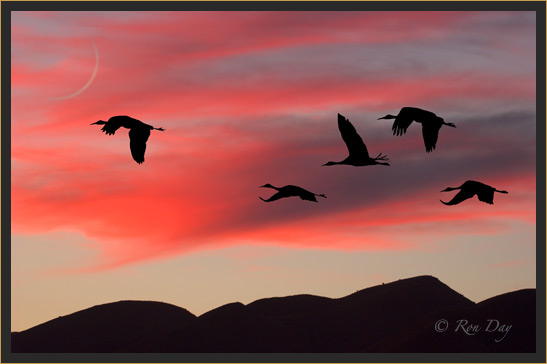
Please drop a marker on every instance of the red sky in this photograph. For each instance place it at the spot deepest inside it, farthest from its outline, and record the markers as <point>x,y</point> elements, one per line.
<point>251,98</point>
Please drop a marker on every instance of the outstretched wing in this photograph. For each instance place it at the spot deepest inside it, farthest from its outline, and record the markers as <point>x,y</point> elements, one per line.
<point>460,196</point>
<point>137,143</point>
<point>403,120</point>
<point>110,127</point>
<point>116,122</point>
<point>355,144</point>
<point>300,192</point>
<point>430,131</point>
<point>486,195</point>
<point>277,196</point>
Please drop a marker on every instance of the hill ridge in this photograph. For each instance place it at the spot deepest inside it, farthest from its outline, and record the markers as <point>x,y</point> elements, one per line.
<point>377,318</point>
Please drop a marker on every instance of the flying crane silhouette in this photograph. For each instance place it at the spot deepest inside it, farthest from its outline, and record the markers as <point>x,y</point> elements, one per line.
<point>138,133</point>
<point>469,189</point>
<point>358,153</point>
<point>289,191</point>
<point>431,124</point>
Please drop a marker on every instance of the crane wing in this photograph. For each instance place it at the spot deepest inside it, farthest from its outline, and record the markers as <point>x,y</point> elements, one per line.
<point>430,131</point>
<point>300,192</point>
<point>355,144</point>
<point>275,197</point>
<point>110,127</point>
<point>460,196</point>
<point>486,195</point>
<point>137,143</point>
<point>403,120</point>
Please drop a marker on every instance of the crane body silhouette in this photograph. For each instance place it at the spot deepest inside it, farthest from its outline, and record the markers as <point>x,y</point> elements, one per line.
<point>469,189</point>
<point>358,153</point>
<point>289,191</point>
<point>431,124</point>
<point>139,133</point>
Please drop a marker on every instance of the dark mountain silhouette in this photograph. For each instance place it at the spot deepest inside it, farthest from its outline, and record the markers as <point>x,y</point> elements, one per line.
<point>394,317</point>
<point>104,328</point>
<point>492,316</point>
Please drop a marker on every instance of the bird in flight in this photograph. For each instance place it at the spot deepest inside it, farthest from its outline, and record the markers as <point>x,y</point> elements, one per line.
<point>469,189</point>
<point>358,153</point>
<point>138,133</point>
<point>289,191</point>
<point>431,124</point>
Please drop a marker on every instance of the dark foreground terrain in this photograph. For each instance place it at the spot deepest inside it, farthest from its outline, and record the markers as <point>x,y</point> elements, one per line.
<point>418,314</point>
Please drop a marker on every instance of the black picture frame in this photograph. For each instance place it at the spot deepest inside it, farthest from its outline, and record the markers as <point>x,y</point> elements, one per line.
<point>8,7</point>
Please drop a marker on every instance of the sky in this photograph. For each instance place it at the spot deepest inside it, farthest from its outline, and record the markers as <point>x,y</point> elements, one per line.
<point>249,98</point>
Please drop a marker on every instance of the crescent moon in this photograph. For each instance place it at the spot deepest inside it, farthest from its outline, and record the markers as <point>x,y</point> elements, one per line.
<point>88,82</point>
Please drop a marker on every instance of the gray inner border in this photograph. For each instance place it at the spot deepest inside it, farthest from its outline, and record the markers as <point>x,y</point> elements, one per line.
<point>7,7</point>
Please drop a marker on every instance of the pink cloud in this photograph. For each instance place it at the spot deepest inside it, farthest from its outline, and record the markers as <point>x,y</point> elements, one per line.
<point>229,133</point>
<point>209,198</point>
